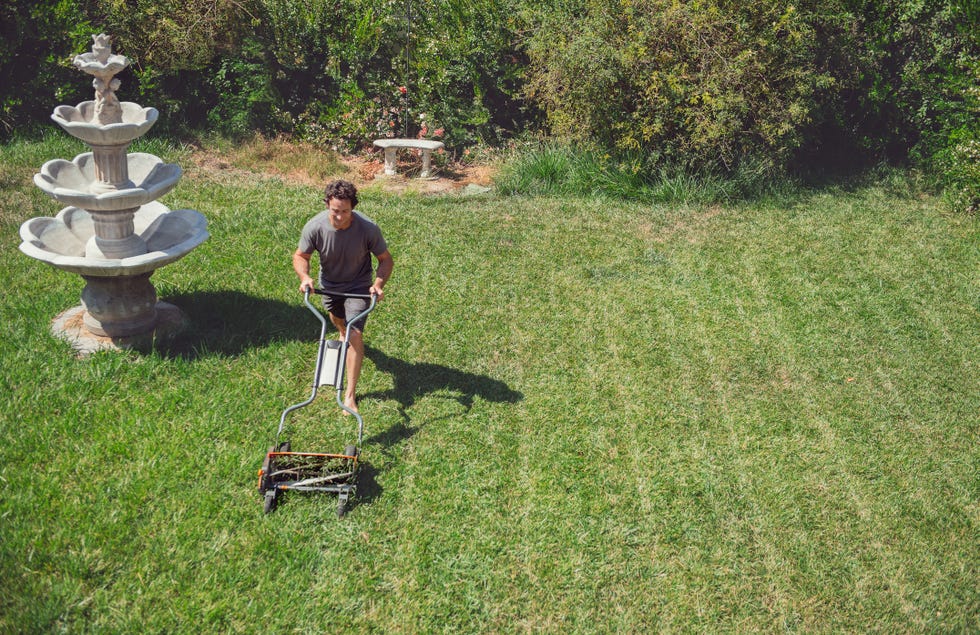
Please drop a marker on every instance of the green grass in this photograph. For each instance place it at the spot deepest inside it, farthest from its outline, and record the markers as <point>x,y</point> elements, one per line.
<point>582,416</point>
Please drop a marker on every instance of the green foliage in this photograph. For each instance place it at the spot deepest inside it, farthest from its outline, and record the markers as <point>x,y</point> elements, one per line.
<point>702,85</point>
<point>354,71</point>
<point>695,87</point>
<point>184,56</point>
<point>330,71</point>
<point>711,84</point>
<point>464,69</point>
<point>962,176</point>
<point>175,35</point>
<point>247,101</point>
<point>926,90</point>
<point>39,40</point>
<point>960,161</point>
<point>918,66</point>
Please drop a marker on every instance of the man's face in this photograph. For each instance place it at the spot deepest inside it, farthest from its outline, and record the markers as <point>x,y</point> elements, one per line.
<point>341,213</point>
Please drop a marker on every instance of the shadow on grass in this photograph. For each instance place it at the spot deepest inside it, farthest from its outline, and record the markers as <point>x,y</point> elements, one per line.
<point>413,381</point>
<point>228,323</point>
<point>368,488</point>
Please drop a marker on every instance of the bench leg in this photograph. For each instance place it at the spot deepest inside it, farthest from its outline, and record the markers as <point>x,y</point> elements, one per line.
<point>426,162</point>
<point>390,161</point>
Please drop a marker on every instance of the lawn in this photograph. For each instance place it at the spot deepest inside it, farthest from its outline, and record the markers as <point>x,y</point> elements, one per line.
<point>583,415</point>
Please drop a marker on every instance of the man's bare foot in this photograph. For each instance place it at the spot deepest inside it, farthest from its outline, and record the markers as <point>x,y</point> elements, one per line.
<point>351,403</point>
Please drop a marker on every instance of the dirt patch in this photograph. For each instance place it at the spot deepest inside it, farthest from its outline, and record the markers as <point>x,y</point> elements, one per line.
<point>444,180</point>
<point>692,224</point>
<point>303,164</point>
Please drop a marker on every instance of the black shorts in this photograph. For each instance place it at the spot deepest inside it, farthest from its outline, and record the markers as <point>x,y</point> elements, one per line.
<point>345,308</point>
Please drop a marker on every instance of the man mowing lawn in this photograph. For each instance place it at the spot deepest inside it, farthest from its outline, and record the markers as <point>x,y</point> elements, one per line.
<point>345,240</point>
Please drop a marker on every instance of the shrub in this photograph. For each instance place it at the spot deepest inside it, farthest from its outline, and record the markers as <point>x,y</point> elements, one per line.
<point>960,161</point>
<point>246,99</point>
<point>356,70</point>
<point>40,39</point>
<point>708,87</point>
<point>702,85</point>
<point>963,177</point>
<point>714,84</point>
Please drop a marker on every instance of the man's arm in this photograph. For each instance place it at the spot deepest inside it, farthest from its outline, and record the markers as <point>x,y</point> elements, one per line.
<point>301,265</point>
<point>385,266</point>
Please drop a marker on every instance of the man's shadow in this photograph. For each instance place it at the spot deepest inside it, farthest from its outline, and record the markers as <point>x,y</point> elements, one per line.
<point>414,380</point>
<point>411,382</point>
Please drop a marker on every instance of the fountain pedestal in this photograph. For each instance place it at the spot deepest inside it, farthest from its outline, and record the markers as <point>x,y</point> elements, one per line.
<point>70,325</point>
<point>114,236</point>
<point>119,307</point>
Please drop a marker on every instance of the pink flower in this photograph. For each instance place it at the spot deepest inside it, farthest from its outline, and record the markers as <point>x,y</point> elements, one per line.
<point>402,90</point>
<point>438,132</point>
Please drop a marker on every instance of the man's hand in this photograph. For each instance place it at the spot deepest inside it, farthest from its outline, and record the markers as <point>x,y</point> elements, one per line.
<point>385,266</point>
<point>301,265</point>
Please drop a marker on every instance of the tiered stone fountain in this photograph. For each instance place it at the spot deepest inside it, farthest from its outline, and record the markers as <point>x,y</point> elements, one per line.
<point>113,233</point>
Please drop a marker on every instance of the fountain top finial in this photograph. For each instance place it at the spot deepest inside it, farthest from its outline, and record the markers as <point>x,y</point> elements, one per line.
<point>102,47</point>
<point>101,62</point>
<point>104,65</point>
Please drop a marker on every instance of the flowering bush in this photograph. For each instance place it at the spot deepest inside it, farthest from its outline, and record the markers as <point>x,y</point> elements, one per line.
<point>423,132</point>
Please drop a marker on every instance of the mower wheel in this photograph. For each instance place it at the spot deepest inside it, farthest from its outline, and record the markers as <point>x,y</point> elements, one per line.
<point>263,478</point>
<point>284,446</point>
<point>270,501</point>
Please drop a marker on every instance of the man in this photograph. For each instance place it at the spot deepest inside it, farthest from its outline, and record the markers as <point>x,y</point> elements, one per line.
<point>345,241</point>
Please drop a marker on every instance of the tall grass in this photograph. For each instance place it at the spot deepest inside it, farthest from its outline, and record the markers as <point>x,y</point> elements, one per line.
<point>581,417</point>
<point>558,169</point>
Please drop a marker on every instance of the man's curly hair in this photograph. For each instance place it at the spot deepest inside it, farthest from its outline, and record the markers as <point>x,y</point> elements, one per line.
<point>343,190</point>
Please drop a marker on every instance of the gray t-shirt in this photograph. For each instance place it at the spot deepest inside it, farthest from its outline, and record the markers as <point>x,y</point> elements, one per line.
<point>345,255</point>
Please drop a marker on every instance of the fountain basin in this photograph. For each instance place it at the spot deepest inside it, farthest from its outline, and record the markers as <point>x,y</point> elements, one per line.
<point>76,182</point>
<point>62,241</point>
<point>82,122</point>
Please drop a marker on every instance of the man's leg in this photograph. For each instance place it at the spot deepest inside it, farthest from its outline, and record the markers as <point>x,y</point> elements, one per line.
<point>355,351</point>
<point>355,356</point>
<point>340,325</point>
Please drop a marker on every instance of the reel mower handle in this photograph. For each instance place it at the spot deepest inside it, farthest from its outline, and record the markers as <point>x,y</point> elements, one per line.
<point>343,295</point>
<point>319,358</point>
<point>372,296</point>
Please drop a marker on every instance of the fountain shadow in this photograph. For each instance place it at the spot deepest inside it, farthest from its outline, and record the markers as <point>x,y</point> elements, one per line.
<point>228,323</point>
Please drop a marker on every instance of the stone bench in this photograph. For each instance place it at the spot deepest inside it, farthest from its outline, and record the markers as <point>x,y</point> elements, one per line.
<point>391,148</point>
